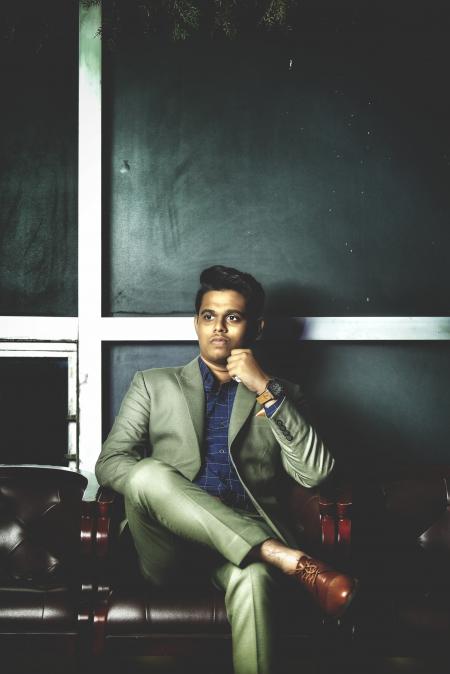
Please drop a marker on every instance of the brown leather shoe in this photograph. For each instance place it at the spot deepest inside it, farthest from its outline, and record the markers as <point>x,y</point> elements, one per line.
<point>333,591</point>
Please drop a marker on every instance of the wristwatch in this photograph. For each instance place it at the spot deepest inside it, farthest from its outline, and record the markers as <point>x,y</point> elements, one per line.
<point>273,391</point>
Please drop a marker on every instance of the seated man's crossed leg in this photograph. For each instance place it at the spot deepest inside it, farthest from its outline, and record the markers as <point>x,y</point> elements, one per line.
<point>164,509</point>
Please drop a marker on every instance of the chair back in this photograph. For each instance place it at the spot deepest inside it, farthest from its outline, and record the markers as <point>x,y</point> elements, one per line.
<point>40,515</point>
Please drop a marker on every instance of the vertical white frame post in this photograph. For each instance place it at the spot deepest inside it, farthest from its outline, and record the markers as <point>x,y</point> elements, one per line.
<point>89,236</point>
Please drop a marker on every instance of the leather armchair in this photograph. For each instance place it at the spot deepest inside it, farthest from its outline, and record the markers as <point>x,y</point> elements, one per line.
<point>132,617</point>
<point>392,532</point>
<point>46,537</point>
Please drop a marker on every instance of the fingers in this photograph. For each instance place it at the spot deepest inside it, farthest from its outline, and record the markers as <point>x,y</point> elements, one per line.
<point>233,369</point>
<point>242,366</point>
<point>241,361</point>
<point>238,358</point>
<point>239,355</point>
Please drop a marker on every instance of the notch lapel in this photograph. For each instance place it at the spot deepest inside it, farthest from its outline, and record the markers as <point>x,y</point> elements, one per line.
<point>191,384</point>
<point>244,404</point>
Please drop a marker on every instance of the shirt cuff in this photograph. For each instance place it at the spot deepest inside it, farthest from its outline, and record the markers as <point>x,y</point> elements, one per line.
<point>270,409</point>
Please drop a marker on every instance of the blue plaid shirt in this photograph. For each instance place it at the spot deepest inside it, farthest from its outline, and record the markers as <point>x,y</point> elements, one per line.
<point>217,474</point>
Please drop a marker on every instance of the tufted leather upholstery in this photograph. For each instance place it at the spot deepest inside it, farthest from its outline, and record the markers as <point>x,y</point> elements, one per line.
<point>40,552</point>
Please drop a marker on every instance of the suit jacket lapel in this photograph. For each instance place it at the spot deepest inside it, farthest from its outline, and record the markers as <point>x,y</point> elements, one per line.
<point>244,404</point>
<point>191,384</point>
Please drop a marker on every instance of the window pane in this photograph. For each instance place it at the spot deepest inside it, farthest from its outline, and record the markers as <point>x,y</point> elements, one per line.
<point>33,410</point>
<point>122,361</point>
<point>375,404</point>
<point>38,149</point>
<point>326,178</point>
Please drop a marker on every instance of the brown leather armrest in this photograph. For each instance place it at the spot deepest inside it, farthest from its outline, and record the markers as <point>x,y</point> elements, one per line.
<point>323,516</point>
<point>106,496</point>
<point>87,573</point>
<point>106,503</point>
<point>335,504</point>
<point>106,499</point>
<point>87,531</point>
<point>344,506</point>
<point>327,509</point>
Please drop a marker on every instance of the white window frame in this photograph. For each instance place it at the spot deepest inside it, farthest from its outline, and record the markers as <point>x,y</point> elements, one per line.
<point>90,330</point>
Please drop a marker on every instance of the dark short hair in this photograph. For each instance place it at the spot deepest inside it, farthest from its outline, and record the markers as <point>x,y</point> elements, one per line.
<point>227,278</point>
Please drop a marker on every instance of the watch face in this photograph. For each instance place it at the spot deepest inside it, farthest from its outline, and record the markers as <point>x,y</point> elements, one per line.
<point>276,388</point>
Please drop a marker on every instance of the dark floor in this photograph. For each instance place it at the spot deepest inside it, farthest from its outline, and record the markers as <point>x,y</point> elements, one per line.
<point>48,664</point>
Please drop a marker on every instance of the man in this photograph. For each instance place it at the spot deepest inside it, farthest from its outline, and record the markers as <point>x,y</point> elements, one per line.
<point>199,451</point>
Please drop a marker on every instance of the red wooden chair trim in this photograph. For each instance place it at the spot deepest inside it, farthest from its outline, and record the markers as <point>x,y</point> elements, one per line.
<point>87,532</point>
<point>328,524</point>
<point>344,506</point>
<point>105,503</point>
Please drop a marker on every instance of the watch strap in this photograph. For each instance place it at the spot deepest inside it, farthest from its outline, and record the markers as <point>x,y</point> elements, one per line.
<point>264,397</point>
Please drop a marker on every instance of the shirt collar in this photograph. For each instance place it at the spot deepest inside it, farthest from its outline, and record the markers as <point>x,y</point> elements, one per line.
<point>210,383</point>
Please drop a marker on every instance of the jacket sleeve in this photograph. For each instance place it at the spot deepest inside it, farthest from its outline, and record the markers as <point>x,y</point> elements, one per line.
<point>128,442</point>
<point>303,454</point>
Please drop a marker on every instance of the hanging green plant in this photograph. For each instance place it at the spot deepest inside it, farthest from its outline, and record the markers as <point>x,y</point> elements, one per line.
<point>181,19</point>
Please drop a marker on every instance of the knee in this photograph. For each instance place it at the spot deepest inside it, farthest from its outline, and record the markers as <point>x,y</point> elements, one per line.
<point>149,478</point>
<point>258,572</point>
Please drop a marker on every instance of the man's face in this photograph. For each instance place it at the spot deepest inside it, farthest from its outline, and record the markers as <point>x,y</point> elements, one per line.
<point>221,325</point>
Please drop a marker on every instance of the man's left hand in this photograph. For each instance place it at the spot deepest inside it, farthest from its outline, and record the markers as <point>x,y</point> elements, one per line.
<point>242,364</point>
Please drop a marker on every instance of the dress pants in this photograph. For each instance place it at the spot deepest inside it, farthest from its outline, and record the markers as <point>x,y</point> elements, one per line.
<point>165,512</point>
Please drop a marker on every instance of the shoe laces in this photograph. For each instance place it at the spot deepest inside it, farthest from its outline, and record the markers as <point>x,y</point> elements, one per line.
<point>308,572</point>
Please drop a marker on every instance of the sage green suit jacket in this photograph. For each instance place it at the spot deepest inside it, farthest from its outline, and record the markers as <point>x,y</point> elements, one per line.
<point>162,415</point>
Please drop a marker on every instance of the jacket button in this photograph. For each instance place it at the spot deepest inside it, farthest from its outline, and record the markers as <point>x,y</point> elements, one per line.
<point>279,423</point>
<point>289,436</point>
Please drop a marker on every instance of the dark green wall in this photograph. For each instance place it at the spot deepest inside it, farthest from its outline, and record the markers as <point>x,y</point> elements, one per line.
<point>38,167</point>
<point>320,162</point>
<point>375,404</point>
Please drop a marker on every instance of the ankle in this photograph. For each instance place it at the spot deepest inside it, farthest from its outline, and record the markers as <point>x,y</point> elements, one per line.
<point>277,554</point>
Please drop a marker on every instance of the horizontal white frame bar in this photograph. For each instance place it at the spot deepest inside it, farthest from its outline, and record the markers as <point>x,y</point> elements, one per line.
<point>36,349</point>
<point>376,328</point>
<point>40,328</point>
<point>152,329</point>
<point>30,353</point>
<point>34,330</point>
<point>323,328</point>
